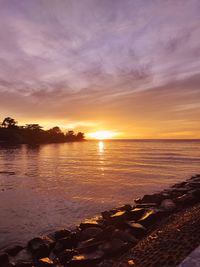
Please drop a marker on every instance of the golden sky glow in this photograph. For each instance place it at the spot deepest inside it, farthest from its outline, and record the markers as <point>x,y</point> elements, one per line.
<point>127,68</point>
<point>102,135</point>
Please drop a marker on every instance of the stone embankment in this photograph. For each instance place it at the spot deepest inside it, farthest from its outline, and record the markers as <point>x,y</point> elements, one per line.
<point>96,242</point>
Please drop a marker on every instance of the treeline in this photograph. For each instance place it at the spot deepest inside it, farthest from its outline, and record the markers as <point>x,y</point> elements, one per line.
<point>11,132</point>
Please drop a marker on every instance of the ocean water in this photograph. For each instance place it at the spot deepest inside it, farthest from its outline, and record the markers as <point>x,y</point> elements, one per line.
<point>47,187</point>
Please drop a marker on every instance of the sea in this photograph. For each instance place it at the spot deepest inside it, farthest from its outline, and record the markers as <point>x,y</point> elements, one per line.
<point>47,187</point>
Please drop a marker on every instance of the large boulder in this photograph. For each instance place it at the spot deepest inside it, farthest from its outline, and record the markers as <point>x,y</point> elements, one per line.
<point>40,247</point>
<point>168,205</point>
<point>135,214</point>
<point>61,234</point>
<point>64,243</point>
<point>66,255</point>
<point>151,217</point>
<point>89,233</point>
<point>154,198</point>
<point>115,246</point>
<point>137,229</point>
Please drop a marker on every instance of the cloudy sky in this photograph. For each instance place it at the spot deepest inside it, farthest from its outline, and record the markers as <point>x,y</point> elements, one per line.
<point>129,66</point>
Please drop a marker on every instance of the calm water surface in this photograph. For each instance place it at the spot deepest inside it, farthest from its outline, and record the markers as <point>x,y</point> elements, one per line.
<point>58,185</point>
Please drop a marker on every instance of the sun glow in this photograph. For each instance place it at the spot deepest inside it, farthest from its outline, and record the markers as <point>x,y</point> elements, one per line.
<point>102,135</point>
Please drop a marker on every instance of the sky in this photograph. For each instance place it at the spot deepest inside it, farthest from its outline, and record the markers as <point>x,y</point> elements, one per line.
<point>127,66</point>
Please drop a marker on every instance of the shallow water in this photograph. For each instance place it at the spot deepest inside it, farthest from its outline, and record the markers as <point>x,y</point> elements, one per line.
<point>46,187</point>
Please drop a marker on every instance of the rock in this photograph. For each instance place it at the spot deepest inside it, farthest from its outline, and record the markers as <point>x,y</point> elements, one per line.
<point>86,260</point>
<point>45,262</point>
<point>179,185</point>
<point>66,255</point>
<point>4,260</point>
<point>89,245</point>
<point>137,229</point>
<point>64,243</point>
<point>186,200</point>
<point>125,236</point>
<point>106,215</point>
<point>195,184</point>
<point>13,251</point>
<point>145,205</point>
<point>135,214</point>
<point>125,207</point>
<point>114,246</point>
<point>168,205</point>
<point>154,198</point>
<point>89,223</point>
<point>106,233</point>
<point>24,264</point>
<point>40,247</point>
<point>61,234</point>
<point>90,232</point>
<point>117,217</point>
<point>150,217</point>
<point>23,255</point>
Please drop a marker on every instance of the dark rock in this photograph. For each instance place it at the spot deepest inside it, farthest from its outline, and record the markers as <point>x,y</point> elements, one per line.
<point>117,217</point>
<point>146,205</point>
<point>151,217</point>
<point>86,260</point>
<point>89,233</point>
<point>106,233</point>
<point>114,246</point>
<point>194,184</point>
<point>106,215</point>
<point>138,200</point>
<point>89,245</point>
<point>154,198</point>
<point>168,205</point>
<point>4,260</point>
<point>125,236</point>
<point>40,247</point>
<point>186,200</point>
<point>64,243</point>
<point>24,264</point>
<point>179,185</point>
<point>135,214</point>
<point>136,229</point>
<point>66,255</point>
<point>89,223</point>
<point>61,234</point>
<point>125,207</point>
<point>23,255</point>
<point>45,262</point>
<point>13,251</point>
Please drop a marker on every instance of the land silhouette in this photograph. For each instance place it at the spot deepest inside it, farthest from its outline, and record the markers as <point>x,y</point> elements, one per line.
<point>11,132</point>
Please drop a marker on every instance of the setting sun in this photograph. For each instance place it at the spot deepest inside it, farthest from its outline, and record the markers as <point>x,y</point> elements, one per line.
<point>102,135</point>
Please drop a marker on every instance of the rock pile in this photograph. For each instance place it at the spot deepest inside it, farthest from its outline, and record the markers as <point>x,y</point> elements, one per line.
<point>106,236</point>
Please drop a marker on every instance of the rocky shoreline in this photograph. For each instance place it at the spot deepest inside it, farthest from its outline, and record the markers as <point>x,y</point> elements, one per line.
<point>95,242</point>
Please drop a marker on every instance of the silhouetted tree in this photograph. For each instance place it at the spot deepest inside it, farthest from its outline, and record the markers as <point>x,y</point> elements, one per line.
<point>80,136</point>
<point>34,134</point>
<point>9,122</point>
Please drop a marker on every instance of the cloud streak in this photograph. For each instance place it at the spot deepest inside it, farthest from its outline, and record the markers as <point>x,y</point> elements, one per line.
<point>73,58</point>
